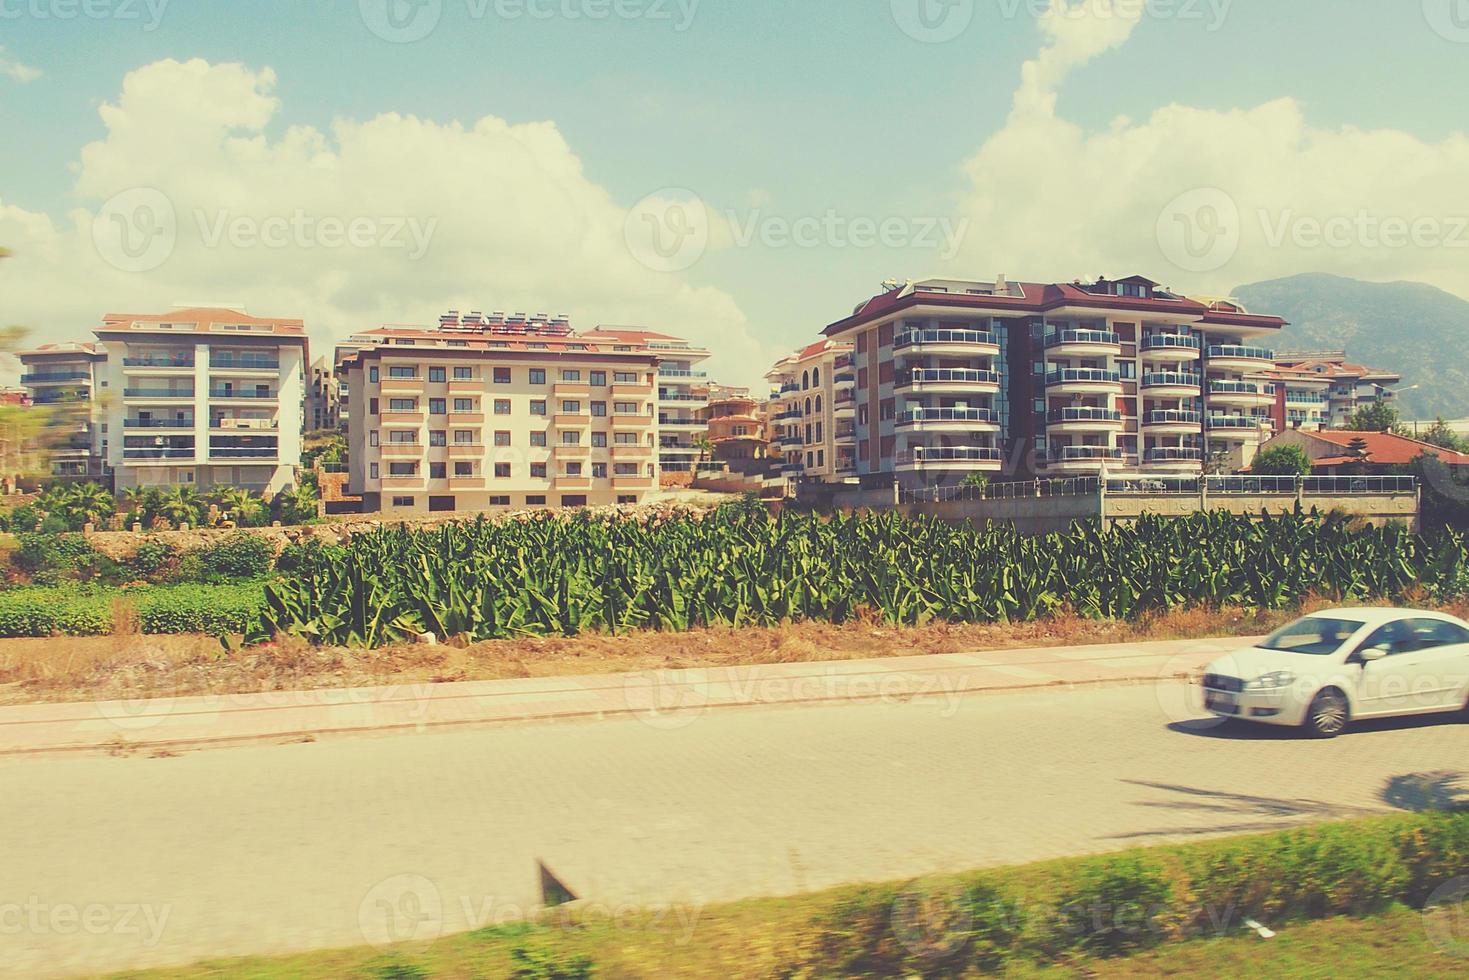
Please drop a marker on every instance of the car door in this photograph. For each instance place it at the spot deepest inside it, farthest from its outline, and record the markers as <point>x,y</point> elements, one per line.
<point>1386,686</point>
<point>1443,663</point>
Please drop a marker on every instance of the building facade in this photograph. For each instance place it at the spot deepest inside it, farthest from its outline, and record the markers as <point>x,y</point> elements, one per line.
<point>956,377</point>
<point>736,429</point>
<point>323,398</point>
<point>683,390</point>
<point>499,412</point>
<point>202,396</point>
<point>1348,386</point>
<point>814,410</point>
<point>58,374</point>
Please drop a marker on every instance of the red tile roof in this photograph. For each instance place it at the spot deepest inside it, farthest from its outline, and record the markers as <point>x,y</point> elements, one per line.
<point>203,318</point>
<point>1384,448</point>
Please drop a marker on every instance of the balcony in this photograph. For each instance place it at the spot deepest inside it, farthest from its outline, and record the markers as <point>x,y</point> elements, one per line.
<point>55,377</point>
<point>630,482</point>
<point>249,365</point>
<point>408,482</point>
<point>673,421</point>
<point>158,394</point>
<point>177,424</point>
<point>1241,393</point>
<point>626,389</point>
<point>1168,456</point>
<point>1172,347</point>
<point>632,452</point>
<point>1232,357</point>
<point>1083,419</point>
<point>844,404</point>
<point>573,421</point>
<point>845,378</point>
<point>789,415</point>
<point>402,418</point>
<point>244,452</point>
<point>410,387</point>
<point>1083,380</point>
<point>790,388</point>
<point>675,373</point>
<point>949,379</point>
<point>466,418</point>
<point>461,450</point>
<point>466,483</point>
<point>571,389</point>
<point>567,482</point>
<point>567,450</point>
<point>1082,455</point>
<point>949,419</point>
<point>970,458</point>
<point>1173,421</point>
<point>401,450</point>
<point>1172,384</point>
<point>845,434</point>
<point>226,423</point>
<point>965,343</point>
<point>1083,343</point>
<point>629,421</point>
<point>1233,428</point>
<point>145,455</point>
<point>466,386</point>
<point>236,394</point>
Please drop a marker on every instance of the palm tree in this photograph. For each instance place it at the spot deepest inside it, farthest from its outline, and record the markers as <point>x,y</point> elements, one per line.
<point>87,503</point>
<point>181,505</point>
<point>706,449</point>
<point>298,505</point>
<point>248,509</point>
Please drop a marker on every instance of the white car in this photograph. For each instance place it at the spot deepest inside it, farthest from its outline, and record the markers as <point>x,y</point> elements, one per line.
<point>1324,671</point>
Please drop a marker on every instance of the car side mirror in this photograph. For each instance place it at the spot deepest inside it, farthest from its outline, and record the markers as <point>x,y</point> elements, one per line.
<point>1372,653</point>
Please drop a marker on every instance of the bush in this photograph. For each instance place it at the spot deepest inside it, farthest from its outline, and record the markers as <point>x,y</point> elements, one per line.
<point>212,610</point>
<point>238,557</point>
<point>36,553</point>
<point>24,518</point>
<point>297,555</point>
<point>544,961</point>
<point>1118,905</point>
<point>48,611</point>
<point>1433,851</point>
<point>151,559</point>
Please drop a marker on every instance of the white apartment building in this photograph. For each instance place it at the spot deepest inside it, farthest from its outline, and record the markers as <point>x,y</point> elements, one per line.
<point>497,412</point>
<point>813,413</point>
<point>1348,386</point>
<point>198,396</point>
<point>59,373</point>
<point>683,389</point>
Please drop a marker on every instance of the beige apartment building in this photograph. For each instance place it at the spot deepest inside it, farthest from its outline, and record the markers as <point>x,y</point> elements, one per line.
<point>59,373</point>
<point>199,396</point>
<point>683,390</point>
<point>499,412</point>
<point>814,410</point>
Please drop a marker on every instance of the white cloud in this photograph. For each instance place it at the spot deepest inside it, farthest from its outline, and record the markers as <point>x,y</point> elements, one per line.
<point>327,225</point>
<point>17,71</point>
<point>1205,199</point>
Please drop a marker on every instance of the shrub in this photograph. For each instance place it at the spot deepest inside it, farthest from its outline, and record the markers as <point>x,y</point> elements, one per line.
<point>24,518</point>
<point>47,611</point>
<point>54,524</point>
<point>212,610</point>
<point>240,556</point>
<point>544,961</point>
<point>297,555</point>
<point>1433,851</point>
<point>1117,905</point>
<point>37,553</point>
<point>151,558</point>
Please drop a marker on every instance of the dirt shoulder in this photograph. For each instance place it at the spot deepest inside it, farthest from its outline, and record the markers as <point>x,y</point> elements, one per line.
<point>98,668</point>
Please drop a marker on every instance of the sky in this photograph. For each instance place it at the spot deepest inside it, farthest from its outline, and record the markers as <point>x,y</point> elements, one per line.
<point>739,172</point>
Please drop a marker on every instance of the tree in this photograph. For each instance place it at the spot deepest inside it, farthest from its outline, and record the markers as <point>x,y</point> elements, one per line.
<point>245,508</point>
<point>1376,417</point>
<point>705,447</point>
<point>976,481</point>
<point>1439,434</point>
<point>182,505</point>
<point>1281,461</point>
<point>298,505</point>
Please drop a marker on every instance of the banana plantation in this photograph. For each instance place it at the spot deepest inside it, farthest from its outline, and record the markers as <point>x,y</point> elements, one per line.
<point>738,566</point>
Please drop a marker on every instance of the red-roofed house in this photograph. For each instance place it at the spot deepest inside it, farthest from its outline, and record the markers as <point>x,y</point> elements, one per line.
<point>1331,450</point>
<point>1345,386</point>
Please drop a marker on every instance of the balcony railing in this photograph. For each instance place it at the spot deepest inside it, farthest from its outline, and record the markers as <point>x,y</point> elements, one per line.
<point>1171,341</point>
<point>158,453</point>
<point>1083,415</point>
<point>180,361</point>
<point>951,454</point>
<point>1172,417</point>
<point>918,415</point>
<point>240,452</point>
<point>788,415</point>
<point>1166,455</point>
<point>1239,388</point>
<point>1237,352</point>
<point>1071,454</point>
<point>1172,379</point>
<point>1233,422</point>
<point>1061,337</point>
<point>158,423</point>
<point>156,393</point>
<point>1083,375</point>
<point>845,378</point>
<point>675,373</point>
<point>43,377</point>
<point>914,338</point>
<point>245,363</point>
<point>922,376</point>
<point>242,393</point>
<point>789,388</point>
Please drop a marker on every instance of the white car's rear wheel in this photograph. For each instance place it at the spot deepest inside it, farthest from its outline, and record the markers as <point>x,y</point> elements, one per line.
<point>1328,714</point>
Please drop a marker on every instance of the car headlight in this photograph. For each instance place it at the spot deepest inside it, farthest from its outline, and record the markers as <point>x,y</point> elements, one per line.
<point>1271,681</point>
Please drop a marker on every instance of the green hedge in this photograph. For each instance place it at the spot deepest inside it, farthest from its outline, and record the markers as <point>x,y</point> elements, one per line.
<point>1117,904</point>
<point>81,611</point>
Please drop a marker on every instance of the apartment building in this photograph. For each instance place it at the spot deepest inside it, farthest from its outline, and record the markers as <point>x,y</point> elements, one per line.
<point>683,390</point>
<point>1302,399</point>
<point>54,374</point>
<point>955,377</point>
<point>736,429</point>
<point>1348,386</point>
<point>497,412</point>
<point>814,404</point>
<point>323,397</point>
<point>200,396</point>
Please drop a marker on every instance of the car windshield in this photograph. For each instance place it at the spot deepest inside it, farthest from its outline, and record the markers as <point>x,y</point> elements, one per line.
<point>1318,635</point>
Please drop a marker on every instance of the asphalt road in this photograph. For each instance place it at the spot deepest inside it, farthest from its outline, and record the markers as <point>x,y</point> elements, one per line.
<point>123,862</point>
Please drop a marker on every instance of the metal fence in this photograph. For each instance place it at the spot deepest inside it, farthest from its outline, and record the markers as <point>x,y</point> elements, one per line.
<point>1334,486</point>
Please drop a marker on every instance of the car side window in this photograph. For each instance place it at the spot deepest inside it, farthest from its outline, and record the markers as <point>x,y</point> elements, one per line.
<point>1396,637</point>
<point>1437,633</point>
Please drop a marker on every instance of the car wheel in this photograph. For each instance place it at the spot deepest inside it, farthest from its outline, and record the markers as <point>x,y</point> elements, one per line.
<point>1328,715</point>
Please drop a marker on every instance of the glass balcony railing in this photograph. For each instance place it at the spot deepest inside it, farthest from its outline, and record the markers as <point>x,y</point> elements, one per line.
<point>1172,379</point>
<point>161,453</point>
<point>1171,341</point>
<point>1171,455</point>
<point>1083,414</point>
<point>1238,352</point>
<point>1061,337</point>
<point>236,362</point>
<point>951,454</point>
<point>157,393</point>
<point>922,376</point>
<point>1233,422</point>
<point>158,423</point>
<point>1070,454</point>
<point>917,338</point>
<point>1083,375</point>
<point>1172,417</point>
<point>1239,388</point>
<point>44,377</point>
<point>241,393</point>
<point>159,361</point>
<point>920,415</point>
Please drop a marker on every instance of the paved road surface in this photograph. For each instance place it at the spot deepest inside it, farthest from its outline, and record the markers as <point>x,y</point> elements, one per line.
<point>130,861</point>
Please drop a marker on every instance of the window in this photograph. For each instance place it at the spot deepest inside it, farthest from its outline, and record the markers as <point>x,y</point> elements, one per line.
<point>403,437</point>
<point>627,498</point>
<point>818,404</point>
<point>502,471</point>
<point>436,471</point>
<point>821,457</point>
<point>599,409</point>
<point>625,408</point>
<point>502,375</point>
<point>464,374</point>
<point>538,408</point>
<point>538,377</point>
<point>465,437</point>
<point>626,469</point>
<point>372,438</point>
<point>573,500</point>
<point>402,469</point>
<point>373,471</point>
<point>401,404</point>
<point>538,471</point>
<point>570,408</point>
<point>626,438</point>
<point>816,377</point>
<point>599,440</point>
<point>808,406</point>
<point>818,431</point>
<point>499,501</point>
<point>437,406</point>
<point>1318,635</point>
<point>571,438</point>
<point>437,438</point>
<point>538,439</point>
<point>402,501</point>
<point>403,372</point>
<point>570,375</point>
<point>625,377</point>
<point>436,375</point>
<point>535,500</point>
<point>599,379</point>
<point>573,469</point>
<point>372,406</point>
<point>599,471</point>
<point>464,468</point>
<point>502,438</point>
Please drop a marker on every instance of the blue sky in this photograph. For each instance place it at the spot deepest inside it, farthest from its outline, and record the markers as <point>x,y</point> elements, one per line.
<point>793,107</point>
